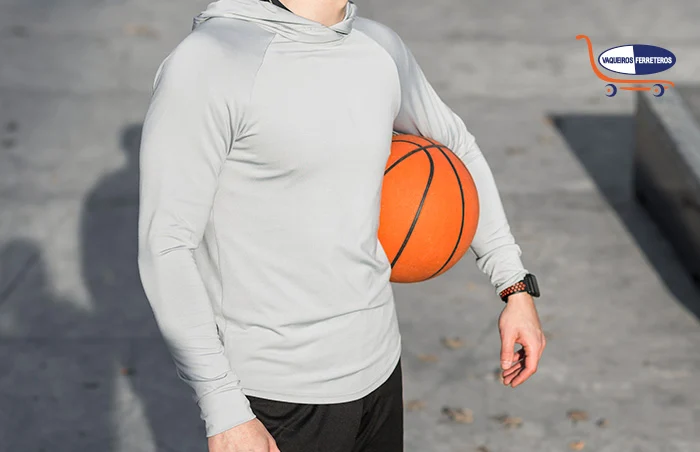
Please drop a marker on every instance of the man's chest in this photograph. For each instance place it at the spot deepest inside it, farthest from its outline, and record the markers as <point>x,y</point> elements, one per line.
<point>315,106</point>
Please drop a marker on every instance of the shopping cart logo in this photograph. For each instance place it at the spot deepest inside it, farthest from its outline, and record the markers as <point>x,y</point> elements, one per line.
<point>637,59</point>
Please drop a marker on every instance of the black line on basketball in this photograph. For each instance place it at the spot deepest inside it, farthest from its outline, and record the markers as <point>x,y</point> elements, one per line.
<point>420,207</point>
<point>461,193</point>
<point>408,154</point>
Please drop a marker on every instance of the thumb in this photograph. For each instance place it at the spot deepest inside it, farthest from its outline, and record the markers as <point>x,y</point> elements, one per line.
<point>507,347</point>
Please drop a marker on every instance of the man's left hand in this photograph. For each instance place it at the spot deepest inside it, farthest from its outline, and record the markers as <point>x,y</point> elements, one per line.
<point>520,324</point>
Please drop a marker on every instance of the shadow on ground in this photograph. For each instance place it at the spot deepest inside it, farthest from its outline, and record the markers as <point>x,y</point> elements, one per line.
<point>109,232</point>
<point>97,378</point>
<point>604,144</point>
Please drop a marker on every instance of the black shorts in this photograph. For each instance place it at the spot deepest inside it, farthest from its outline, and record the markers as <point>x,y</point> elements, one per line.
<point>371,424</point>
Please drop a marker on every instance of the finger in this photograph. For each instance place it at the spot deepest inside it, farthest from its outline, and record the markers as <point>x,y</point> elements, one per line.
<point>510,374</point>
<point>516,363</point>
<point>507,347</point>
<point>519,356</point>
<point>516,368</point>
<point>509,379</point>
<point>532,357</point>
<point>273,445</point>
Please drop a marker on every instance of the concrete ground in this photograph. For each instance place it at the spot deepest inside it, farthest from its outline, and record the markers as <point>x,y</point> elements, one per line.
<point>82,366</point>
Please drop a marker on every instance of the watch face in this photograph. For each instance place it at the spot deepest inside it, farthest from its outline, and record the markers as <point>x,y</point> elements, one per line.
<point>532,287</point>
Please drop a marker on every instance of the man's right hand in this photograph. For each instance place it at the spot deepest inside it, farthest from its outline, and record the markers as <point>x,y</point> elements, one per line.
<point>251,436</point>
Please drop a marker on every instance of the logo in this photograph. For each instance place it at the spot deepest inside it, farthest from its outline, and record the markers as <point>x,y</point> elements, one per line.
<point>636,59</point>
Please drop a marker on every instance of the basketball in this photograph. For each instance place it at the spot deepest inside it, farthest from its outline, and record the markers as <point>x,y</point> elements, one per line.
<point>429,209</point>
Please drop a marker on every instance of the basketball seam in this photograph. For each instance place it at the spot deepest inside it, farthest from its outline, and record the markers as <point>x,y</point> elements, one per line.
<point>421,148</point>
<point>420,205</point>
<point>461,223</point>
<point>424,149</point>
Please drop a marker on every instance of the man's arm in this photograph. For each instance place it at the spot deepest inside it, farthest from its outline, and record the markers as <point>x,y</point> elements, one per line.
<point>422,112</point>
<point>186,137</point>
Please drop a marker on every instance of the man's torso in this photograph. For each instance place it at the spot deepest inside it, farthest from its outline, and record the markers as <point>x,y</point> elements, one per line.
<point>291,258</point>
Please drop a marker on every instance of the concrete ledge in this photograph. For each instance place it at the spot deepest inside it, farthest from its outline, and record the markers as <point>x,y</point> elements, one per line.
<point>667,167</point>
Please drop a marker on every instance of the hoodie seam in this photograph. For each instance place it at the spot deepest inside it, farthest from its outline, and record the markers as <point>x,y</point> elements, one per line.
<point>249,101</point>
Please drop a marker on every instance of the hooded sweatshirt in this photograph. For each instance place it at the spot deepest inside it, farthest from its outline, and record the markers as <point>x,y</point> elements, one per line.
<point>262,162</point>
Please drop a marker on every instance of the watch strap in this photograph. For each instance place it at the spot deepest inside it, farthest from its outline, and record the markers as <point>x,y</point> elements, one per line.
<point>528,284</point>
<point>520,286</point>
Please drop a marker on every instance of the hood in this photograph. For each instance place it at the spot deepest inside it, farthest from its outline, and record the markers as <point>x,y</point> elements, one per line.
<point>279,20</point>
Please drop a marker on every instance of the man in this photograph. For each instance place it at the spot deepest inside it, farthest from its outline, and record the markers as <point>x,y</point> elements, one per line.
<point>262,160</point>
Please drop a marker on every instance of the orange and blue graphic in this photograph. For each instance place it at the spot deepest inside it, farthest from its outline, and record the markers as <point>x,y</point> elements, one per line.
<point>635,59</point>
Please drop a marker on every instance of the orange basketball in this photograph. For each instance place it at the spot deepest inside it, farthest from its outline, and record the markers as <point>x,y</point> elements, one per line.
<point>429,209</point>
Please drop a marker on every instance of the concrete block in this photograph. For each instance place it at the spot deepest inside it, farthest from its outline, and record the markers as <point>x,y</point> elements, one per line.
<point>667,167</point>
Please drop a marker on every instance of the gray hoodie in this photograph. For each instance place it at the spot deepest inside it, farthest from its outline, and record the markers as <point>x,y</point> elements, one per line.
<point>262,161</point>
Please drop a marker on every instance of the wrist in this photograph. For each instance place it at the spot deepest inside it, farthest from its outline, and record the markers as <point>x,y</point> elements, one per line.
<point>528,285</point>
<point>520,298</point>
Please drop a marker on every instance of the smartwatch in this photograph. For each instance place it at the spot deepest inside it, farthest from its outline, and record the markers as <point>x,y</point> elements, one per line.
<point>528,284</point>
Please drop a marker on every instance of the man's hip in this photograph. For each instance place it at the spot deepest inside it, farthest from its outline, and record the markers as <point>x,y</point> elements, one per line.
<point>373,423</point>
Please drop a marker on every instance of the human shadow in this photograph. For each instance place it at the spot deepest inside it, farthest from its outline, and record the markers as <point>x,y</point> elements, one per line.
<point>604,144</point>
<point>110,270</point>
<point>54,384</point>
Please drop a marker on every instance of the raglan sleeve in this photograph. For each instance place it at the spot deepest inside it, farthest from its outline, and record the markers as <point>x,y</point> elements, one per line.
<point>422,112</point>
<point>187,133</point>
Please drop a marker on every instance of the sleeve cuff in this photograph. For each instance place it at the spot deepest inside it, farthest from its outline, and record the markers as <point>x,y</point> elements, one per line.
<point>504,266</point>
<point>518,276</point>
<point>223,410</point>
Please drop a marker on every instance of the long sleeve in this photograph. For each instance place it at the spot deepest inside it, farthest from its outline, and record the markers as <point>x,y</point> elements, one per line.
<point>187,133</point>
<point>422,112</point>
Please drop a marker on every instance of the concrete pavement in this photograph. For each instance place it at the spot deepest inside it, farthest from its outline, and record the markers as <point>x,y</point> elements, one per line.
<point>83,366</point>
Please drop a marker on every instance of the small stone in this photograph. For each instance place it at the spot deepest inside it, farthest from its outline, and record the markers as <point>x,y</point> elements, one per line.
<point>576,445</point>
<point>427,358</point>
<point>602,423</point>
<point>452,342</point>
<point>127,371</point>
<point>459,415</point>
<point>577,415</point>
<point>91,385</point>
<point>482,449</point>
<point>509,421</point>
<point>513,422</point>
<point>414,405</point>
<point>11,126</point>
<point>7,143</point>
